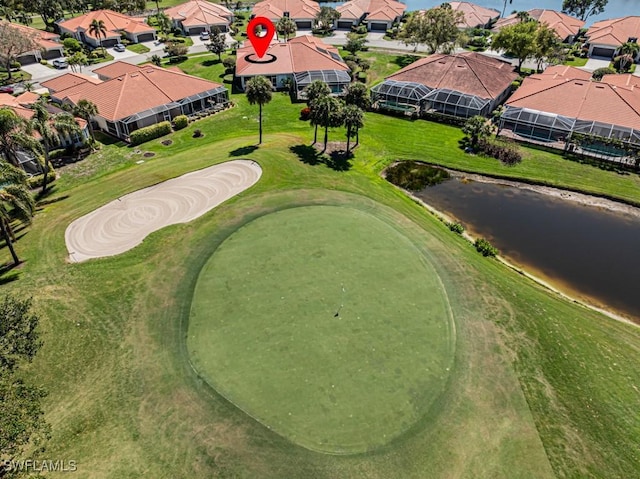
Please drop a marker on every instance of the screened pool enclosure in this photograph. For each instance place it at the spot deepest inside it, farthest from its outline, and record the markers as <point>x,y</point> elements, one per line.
<point>410,96</point>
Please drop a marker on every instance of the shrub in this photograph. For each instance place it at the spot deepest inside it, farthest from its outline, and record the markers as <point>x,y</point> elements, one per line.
<point>197,133</point>
<point>36,181</point>
<point>150,132</point>
<point>305,113</point>
<point>600,72</point>
<point>229,63</point>
<point>180,122</point>
<point>44,62</point>
<point>485,248</point>
<point>456,227</point>
<point>414,176</point>
<point>507,153</point>
<point>72,45</point>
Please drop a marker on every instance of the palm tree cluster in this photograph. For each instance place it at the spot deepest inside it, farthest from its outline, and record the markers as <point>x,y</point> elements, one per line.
<point>329,111</point>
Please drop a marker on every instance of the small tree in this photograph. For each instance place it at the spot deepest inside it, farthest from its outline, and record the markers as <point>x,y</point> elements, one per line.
<point>353,121</point>
<point>86,110</point>
<point>518,39</point>
<point>547,44</point>
<point>583,9</point>
<point>13,43</point>
<point>156,60</point>
<point>217,44</point>
<point>259,90</point>
<point>164,23</point>
<point>229,64</point>
<point>316,89</point>
<point>15,203</point>
<point>286,27</point>
<point>628,52</point>
<point>175,49</point>
<point>325,19</point>
<point>354,43</point>
<point>77,61</point>
<point>437,28</point>
<point>356,94</point>
<point>15,135</point>
<point>475,128</point>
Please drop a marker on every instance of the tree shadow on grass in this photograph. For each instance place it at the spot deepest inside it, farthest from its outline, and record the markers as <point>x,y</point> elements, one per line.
<point>8,273</point>
<point>339,160</point>
<point>48,201</point>
<point>307,154</point>
<point>210,63</point>
<point>243,150</point>
<point>404,60</point>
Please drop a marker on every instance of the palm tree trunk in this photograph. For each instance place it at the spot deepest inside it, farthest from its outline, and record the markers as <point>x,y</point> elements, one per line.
<point>315,135</point>
<point>7,240</point>
<point>326,138</point>
<point>260,142</point>
<point>357,136</point>
<point>45,172</point>
<point>348,139</point>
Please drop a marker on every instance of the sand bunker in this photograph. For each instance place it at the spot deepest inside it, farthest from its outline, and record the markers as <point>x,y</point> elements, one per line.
<point>122,224</point>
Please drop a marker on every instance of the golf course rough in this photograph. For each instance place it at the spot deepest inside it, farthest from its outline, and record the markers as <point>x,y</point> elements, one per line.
<point>326,324</point>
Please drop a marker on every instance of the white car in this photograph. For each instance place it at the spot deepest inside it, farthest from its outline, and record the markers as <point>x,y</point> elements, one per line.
<point>204,36</point>
<point>119,47</point>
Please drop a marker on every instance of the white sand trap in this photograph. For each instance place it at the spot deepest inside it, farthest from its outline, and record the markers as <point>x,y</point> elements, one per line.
<point>122,224</point>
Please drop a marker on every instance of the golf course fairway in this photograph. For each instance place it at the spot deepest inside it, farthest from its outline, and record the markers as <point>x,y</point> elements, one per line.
<point>326,324</point>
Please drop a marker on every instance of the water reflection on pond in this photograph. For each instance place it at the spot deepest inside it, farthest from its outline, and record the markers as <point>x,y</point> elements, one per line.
<point>586,250</point>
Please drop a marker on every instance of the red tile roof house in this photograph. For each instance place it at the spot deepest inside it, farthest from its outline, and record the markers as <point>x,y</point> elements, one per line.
<point>606,37</point>
<point>565,26</point>
<point>117,25</point>
<point>132,96</point>
<point>475,16</point>
<point>21,105</point>
<point>460,85</point>
<point>302,12</point>
<point>48,43</point>
<point>302,60</point>
<point>378,15</point>
<point>549,107</point>
<point>198,16</point>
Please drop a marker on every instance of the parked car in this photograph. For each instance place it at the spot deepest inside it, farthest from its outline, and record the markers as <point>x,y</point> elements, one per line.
<point>119,47</point>
<point>204,36</point>
<point>60,64</point>
<point>6,89</point>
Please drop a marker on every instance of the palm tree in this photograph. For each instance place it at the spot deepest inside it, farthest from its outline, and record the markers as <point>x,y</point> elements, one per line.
<point>15,203</point>
<point>505,6</point>
<point>628,52</point>
<point>353,121</point>
<point>164,23</point>
<point>98,29</point>
<point>285,27</point>
<point>158,10</point>
<point>356,94</point>
<point>523,16</point>
<point>86,110</point>
<point>50,127</point>
<point>315,90</point>
<point>259,91</point>
<point>15,136</point>
<point>327,112</point>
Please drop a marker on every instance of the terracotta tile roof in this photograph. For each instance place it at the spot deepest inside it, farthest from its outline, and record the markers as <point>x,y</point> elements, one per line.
<point>385,10</point>
<point>136,91</point>
<point>300,54</point>
<point>113,21</point>
<point>564,25</point>
<point>199,12</point>
<point>474,15</point>
<point>116,69</point>
<point>18,107</point>
<point>557,71</point>
<point>46,40</point>
<point>469,72</point>
<point>27,98</point>
<point>68,80</point>
<point>614,32</point>
<point>275,9</point>
<point>583,99</point>
<point>626,79</point>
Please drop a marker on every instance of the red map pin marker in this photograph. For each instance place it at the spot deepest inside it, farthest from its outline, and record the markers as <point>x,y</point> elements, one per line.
<point>260,43</point>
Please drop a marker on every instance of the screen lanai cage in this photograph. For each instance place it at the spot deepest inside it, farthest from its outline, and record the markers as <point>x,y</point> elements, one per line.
<point>550,127</point>
<point>336,80</point>
<point>410,96</point>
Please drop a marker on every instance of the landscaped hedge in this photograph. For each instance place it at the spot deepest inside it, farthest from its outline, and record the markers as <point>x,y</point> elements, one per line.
<point>149,133</point>
<point>180,122</point>
<point>506,152</point>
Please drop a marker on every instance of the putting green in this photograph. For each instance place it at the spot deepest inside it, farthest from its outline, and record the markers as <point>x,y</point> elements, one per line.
<point>326,324</point>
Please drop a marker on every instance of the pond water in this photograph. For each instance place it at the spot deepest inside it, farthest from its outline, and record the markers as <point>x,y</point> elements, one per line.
<point>586,251</point>
<point>614,9</point>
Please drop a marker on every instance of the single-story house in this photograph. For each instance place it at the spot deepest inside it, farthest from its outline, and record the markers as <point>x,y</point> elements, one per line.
<point>301,61</point>
<point>302,12</point>
<point>378,15</point>
<point>197,16</point>
<point>21,105</point>
<point>606,37</point>
<point>475,16</point>
<point>48,44</point>
<point>565,26</point>
<point>117,25</point>
<point>133,96</point>
<point>460,85</point>
<point>549,107</point>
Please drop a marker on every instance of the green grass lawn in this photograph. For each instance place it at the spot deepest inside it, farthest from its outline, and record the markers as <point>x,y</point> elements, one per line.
<point>138,48</point>
<point>325,323</point>
<point>577,62</point>
<point>539,387</point>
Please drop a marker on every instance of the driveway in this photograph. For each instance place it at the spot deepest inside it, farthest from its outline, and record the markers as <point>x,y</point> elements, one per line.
<point>595,63</point>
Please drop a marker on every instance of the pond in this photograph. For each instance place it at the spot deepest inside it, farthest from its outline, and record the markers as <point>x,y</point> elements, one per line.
<point>586,251</point>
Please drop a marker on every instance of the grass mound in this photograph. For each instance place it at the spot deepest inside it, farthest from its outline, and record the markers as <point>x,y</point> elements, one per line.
<point>325,323</point>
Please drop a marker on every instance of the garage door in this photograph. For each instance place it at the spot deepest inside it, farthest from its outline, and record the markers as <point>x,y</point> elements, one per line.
<point>304,24</point>
<point>602,52</point>
<point>51,54</point>
<point>196,30</point>
<point>379,27</point>
<point>27,59</point>
<point>145,37</point>
<point>345,25</point>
